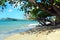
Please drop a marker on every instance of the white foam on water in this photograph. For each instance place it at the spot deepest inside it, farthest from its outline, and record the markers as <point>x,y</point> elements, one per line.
<point>7,33</point>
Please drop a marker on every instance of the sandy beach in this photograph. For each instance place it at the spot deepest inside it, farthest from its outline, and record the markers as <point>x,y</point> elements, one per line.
<point>40,35</point>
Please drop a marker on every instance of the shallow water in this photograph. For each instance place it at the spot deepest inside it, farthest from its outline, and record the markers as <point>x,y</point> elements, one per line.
<point>13,27</point>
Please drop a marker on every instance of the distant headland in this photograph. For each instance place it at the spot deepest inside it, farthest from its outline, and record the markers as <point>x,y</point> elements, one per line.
<point>12,19</point>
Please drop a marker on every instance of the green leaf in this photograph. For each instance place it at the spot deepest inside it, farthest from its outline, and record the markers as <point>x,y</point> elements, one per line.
<point>2,2</point>
<point>58,0</point>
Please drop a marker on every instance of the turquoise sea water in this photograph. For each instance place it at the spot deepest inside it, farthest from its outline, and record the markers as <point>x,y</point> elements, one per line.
<point>11,27</point>
<point>6,26</point>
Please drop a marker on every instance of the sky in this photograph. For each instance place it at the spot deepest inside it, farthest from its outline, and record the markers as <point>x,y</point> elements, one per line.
<point>11,12</point>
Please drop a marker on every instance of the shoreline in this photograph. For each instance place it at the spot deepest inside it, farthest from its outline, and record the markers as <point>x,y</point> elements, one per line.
<point>34,34</point>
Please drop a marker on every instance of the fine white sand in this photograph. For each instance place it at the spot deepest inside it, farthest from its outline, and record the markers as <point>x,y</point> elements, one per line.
<point>36,36</point>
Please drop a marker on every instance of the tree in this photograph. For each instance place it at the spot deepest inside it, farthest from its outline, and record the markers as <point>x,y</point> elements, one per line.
<point>44,8</point>
<point>39,10</point>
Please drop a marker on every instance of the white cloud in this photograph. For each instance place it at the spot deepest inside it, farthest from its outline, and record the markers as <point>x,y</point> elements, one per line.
<point>10,10</point>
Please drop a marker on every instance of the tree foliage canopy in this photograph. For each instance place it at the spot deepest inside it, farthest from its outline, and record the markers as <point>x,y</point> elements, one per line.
<point>38,10</point>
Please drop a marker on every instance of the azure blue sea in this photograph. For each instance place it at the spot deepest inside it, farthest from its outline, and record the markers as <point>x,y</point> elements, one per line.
<point>9,27</point>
